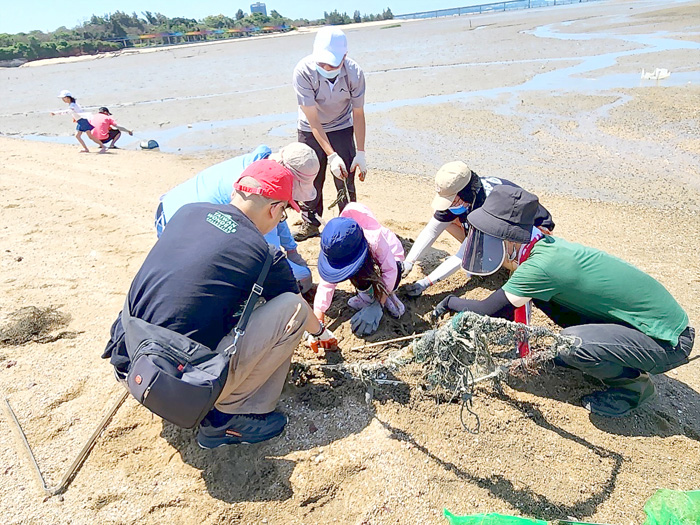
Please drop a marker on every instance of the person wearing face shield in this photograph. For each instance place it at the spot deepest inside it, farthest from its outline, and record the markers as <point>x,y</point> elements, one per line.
<point>330,90</point>
<point>459,190</point>
<point>625,325</point>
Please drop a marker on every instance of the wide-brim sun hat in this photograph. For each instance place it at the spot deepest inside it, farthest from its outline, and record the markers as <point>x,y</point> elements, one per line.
<point>450,179</point>
<point>483,253</point>
<point>303,162</point>
<point>343,250</point>
<point>330,46</point>
<point>508,213</point>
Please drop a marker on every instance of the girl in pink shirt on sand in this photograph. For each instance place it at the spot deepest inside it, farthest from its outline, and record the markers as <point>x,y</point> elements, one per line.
<point>357,247</point>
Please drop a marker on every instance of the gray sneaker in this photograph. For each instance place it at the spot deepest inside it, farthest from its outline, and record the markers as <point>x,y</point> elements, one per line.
<point>306,231</point>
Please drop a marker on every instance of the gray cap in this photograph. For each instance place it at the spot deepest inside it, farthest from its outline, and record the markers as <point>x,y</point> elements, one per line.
<point>302,161</point>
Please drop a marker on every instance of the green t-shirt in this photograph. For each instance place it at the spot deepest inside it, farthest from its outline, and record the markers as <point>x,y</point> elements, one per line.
<point>599,286</point>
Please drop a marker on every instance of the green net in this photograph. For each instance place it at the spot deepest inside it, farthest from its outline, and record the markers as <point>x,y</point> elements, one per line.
<point>490,519</point>
<point>472,346</point>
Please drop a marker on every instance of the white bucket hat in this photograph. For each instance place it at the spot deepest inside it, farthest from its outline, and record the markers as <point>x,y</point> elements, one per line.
<point>302,161</point>
<point>65,93</point>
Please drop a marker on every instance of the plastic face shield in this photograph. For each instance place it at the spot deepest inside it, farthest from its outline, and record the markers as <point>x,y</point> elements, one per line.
<point>483,254</point>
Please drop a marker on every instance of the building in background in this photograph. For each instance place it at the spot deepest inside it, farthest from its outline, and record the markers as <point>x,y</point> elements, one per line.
<point>258,7</point>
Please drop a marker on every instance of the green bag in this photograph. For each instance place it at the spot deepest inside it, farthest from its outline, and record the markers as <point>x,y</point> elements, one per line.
<point>673,507</point>
<point>490,519</point>
<point>501,519</point>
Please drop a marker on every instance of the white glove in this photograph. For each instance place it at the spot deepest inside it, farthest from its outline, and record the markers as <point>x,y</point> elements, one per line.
<point>326,340</point>
<point>337,166</point>
<point>407,267</point>
<point>360,163</point>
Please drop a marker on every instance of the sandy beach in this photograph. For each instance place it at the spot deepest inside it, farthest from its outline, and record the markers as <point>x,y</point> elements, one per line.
<point>549,98</point>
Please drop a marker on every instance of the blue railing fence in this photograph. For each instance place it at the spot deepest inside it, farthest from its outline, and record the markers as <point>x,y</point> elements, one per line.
<point>488,8</point>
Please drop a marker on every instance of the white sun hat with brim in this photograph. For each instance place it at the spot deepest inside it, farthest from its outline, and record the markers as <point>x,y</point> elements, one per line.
<point>330,46</point>
<point>65,93</point>
<point>302,161</point>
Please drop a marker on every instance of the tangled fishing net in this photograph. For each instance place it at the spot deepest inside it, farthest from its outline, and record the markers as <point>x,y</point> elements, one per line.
<point>468,349</point>
<point>34,324</point>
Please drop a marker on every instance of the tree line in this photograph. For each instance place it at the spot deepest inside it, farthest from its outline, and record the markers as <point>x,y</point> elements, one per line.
<point>336,18</point>
<point>117,30</point>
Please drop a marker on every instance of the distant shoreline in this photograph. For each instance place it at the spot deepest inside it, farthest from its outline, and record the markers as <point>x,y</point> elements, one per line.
<point>154,49</point>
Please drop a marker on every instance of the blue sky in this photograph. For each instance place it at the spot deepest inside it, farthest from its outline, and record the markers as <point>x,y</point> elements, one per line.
<point>46,15</point>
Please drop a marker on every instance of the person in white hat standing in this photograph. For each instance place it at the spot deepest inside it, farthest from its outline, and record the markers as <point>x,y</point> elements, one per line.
<point>330,89</point>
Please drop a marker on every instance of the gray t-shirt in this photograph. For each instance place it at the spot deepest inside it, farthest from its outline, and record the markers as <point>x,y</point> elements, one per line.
<point>334,100</point>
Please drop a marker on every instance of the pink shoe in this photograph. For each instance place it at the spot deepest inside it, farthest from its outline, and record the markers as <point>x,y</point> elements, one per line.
<point>394,306</point>
<point>359,301</point>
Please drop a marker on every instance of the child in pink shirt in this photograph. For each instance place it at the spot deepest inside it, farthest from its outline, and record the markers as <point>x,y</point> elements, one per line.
<point>356,246</point>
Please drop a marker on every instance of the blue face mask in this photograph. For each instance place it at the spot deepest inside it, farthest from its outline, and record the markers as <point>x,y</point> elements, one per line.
<point>458,210</point>
<point>330,75</point>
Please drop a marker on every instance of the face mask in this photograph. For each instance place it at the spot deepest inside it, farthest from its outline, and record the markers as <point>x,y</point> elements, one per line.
<point>330,75</point>
<point>512,256</point>
<point>458,210</point>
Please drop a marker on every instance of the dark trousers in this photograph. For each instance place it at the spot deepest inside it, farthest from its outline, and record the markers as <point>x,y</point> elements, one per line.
<point>344,145</point>
<point>614,351</point>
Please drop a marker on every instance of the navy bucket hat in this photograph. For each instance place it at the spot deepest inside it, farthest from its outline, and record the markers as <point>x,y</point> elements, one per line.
<point>343,250</point>
<point>508,213</point>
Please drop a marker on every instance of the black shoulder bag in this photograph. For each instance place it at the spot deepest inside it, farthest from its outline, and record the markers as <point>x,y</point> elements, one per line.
<point>174,376</point>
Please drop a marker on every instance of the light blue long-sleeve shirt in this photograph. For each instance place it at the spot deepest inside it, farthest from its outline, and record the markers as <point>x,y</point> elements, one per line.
<point>215,185</point>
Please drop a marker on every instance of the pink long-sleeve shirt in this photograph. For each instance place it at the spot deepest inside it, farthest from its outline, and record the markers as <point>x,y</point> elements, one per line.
<point>383,244</point>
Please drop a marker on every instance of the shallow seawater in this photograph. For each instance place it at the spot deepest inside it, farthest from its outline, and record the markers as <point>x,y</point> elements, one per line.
<point>569,79</point>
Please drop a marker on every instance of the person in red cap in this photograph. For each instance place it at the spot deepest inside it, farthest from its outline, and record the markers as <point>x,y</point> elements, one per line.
<point>195,281</point>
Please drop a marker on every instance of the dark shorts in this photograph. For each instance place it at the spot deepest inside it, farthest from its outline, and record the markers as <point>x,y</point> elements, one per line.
<point>84,125</point>
<point>113,134</point>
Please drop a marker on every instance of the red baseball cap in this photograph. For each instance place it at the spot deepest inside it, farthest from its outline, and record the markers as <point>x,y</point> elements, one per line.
<point>276,181</point>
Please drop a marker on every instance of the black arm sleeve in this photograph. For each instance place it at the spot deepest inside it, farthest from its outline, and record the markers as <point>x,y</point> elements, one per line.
<point>495,305</point>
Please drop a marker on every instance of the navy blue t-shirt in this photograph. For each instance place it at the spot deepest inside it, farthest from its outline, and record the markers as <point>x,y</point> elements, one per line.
<point>197,277</point>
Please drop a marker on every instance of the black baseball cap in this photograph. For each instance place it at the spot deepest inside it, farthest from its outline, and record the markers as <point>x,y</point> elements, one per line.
<point>104,110</point>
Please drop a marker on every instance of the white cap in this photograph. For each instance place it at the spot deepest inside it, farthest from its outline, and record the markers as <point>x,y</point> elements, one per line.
<point>330,46</point>
<point>65,93</point>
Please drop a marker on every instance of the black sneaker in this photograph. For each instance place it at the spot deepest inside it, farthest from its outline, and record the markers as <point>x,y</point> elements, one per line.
<point>306,231</point>
<point>623,397</point>
<point>241,429</point>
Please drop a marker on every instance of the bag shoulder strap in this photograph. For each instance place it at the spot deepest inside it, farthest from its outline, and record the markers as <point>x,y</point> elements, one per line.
<point>255,294</point>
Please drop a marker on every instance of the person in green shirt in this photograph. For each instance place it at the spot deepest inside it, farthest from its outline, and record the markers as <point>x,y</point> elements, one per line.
<point>625,324</point>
